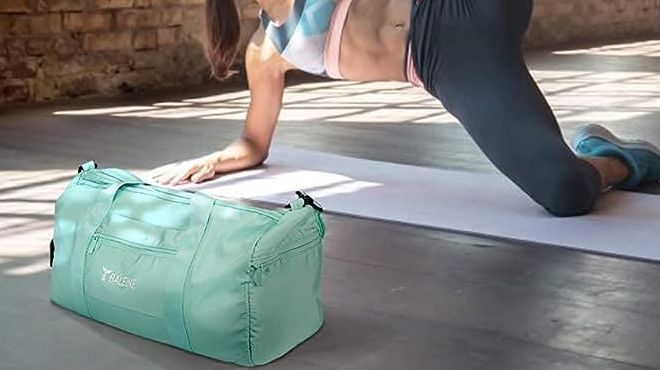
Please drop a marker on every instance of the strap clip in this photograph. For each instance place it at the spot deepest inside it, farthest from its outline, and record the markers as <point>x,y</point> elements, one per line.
<point>52,252</point>
<point>308,201</point>
<point>87,166</point>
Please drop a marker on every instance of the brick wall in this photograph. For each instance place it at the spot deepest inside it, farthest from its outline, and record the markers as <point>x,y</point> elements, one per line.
<point>566,22</point>
<point>53,49</point>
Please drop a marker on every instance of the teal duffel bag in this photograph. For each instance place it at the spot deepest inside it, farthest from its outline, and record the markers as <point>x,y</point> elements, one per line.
<point>227,281</point>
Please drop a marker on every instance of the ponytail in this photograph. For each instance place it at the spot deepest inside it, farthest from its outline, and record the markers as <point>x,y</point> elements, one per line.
<point>223,32</point>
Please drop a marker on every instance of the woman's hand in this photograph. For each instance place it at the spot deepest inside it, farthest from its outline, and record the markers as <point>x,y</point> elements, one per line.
<point>195,170</point>
<point>238,156</point>
<point>265,72</point>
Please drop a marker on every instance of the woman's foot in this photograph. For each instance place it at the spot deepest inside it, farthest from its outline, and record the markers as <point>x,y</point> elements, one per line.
<point>642,158</point>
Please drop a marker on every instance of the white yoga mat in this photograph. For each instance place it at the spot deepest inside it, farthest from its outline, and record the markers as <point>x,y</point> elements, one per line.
<point>623,224</point>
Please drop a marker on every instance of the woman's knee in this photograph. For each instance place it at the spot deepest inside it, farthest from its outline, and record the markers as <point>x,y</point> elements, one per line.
<point>569,192</point>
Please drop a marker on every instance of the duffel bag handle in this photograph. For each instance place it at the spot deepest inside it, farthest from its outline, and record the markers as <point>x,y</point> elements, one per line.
<point>87,166</point>
<point>201,207</point>
<point>200,213</point>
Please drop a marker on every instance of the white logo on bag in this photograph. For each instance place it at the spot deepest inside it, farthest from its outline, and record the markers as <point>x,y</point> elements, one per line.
<point>117,279</point>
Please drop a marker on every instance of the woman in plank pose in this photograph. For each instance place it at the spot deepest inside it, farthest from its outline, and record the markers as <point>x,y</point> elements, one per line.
<point>466,53</point>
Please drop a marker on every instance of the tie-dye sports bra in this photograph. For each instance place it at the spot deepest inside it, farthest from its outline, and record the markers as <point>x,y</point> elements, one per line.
<point>310,38</point>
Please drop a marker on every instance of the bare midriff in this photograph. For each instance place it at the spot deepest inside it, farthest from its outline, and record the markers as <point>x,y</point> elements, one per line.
<point>373,40</point>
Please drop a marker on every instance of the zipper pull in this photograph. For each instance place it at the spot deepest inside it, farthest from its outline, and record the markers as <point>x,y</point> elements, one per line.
<point>256,275</point>
<point>95,244</point>
<point>295,205</point>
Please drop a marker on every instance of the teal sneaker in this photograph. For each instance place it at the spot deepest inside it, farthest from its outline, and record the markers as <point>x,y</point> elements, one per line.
<point>641,157</point>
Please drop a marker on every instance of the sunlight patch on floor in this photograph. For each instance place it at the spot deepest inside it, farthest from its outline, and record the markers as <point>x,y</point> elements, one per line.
<point>27,205</point>
<point>575,95</point>
<point>650,48</point>
<point>102,111</point>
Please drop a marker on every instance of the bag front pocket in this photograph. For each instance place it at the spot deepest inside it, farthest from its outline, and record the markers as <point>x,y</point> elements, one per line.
<point>125,285</point>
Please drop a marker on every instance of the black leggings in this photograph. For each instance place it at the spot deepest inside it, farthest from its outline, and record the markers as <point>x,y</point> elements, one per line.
<point>468,54</point>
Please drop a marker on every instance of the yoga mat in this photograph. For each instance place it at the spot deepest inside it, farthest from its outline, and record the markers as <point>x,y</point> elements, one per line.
<point>623,223</point>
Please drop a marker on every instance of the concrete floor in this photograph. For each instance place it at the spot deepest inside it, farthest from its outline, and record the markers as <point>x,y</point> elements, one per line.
<point>396,297</point>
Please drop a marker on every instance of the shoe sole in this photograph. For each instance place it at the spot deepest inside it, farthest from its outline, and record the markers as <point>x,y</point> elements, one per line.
<point>604,134</point>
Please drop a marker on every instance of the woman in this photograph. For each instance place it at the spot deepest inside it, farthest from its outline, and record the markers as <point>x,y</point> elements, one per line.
<point>466,53</point>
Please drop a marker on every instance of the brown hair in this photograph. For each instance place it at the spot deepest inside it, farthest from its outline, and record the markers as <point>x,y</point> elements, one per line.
<point>223,33</point>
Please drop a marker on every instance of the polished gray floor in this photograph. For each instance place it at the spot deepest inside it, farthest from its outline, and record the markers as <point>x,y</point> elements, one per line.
<point>395,296</point>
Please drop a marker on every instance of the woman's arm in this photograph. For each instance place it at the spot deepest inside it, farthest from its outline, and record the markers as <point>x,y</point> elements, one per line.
<point>265,74</point>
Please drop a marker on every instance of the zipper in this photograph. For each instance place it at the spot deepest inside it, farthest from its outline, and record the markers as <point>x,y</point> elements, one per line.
<point>96,238</point>
<point>101,180</point>
<point>96,179</point>
<point>95,244</point>
<point>273,215</point>
<point>256,269</point>
<point>99,176</point>
<point>111,176</point>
